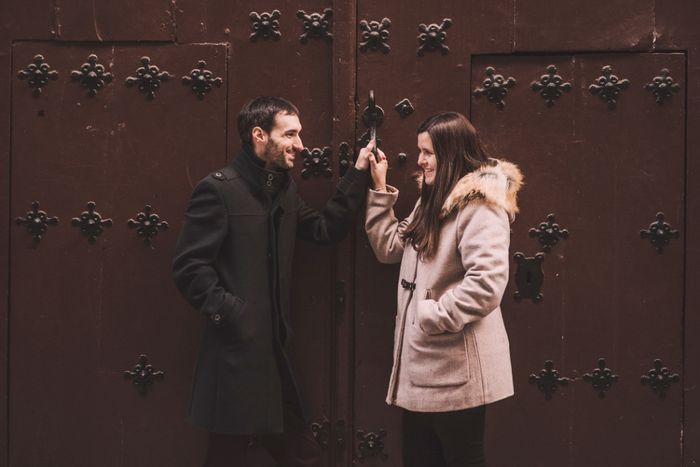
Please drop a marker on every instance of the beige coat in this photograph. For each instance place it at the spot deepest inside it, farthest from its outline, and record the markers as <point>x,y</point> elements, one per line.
<point>450,346</point>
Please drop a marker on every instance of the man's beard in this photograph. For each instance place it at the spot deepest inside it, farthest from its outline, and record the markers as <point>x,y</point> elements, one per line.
<point>276,156</point>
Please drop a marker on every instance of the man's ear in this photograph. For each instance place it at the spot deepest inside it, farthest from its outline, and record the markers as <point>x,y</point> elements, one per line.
<point>258,135</point>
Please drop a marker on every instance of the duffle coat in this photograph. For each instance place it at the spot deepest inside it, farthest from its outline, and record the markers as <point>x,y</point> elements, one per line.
<point>451,349</point>
<point>233,263</point>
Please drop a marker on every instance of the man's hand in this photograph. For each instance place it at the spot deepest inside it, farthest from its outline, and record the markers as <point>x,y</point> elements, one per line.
<point>362,162</point>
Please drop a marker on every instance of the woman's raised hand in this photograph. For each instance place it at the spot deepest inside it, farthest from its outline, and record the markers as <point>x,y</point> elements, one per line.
<point>379,166</point>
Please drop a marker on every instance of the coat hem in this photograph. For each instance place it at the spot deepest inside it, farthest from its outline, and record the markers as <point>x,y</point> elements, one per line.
<point>442,406</point>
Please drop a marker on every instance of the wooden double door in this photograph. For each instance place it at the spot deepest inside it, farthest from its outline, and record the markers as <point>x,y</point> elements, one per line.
<point>106,149</point>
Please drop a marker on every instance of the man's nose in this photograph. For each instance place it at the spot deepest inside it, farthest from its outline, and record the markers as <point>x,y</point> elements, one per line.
<point>298,145</point>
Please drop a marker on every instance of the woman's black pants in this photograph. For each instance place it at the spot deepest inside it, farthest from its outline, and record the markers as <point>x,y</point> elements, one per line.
<point>444,439</point>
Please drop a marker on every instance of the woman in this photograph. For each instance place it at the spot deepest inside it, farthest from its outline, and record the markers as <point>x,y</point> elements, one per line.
<point>451,354</point>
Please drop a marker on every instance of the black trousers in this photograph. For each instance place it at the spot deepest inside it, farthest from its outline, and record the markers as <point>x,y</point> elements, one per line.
<point>295,447</point>
<point>444,439</point>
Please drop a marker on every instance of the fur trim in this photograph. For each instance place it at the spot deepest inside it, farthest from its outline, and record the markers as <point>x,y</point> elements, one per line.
<point>497,184</point>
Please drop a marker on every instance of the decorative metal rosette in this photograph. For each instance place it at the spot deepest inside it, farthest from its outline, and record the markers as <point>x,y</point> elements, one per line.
<point>91,223</point>
<point>201,80</point>
<point>659,232</point>
<point>92,75</point>
<point>660,378</point>
<point>148,78</point>
<point>602,378</point>
<point>371,444</point>
<point>36,221</point>
<point>433,37</point>
<point>316,162</point>
<point>265,25</point>
<point>495,87</point>
<point>549,233</point>
<point>375,35</point>
<point>663,86</point>
<point>551,85</point>
<point>316,25</point>
<point>147,225</point>
<point>38,74</point>
<point>608,86</point>
<point>143,374</point>
<point>548,379</point>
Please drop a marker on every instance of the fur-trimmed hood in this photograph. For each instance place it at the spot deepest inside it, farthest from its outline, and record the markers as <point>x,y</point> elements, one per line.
<point>498,184</point>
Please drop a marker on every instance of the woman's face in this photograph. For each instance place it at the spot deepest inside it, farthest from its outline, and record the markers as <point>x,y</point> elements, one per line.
<point>426,157</point>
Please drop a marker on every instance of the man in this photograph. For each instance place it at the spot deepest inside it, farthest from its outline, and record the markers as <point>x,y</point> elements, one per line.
<point>233,263</point>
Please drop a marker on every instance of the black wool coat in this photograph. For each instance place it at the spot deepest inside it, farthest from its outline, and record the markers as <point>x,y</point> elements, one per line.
<point>233,263</point>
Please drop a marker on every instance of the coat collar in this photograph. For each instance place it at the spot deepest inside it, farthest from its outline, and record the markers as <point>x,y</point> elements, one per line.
<point>496,184</point>
<point>253,171</point>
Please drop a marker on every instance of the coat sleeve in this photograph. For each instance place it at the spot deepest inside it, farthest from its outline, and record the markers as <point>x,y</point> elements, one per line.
<point>483,241</point>
<point>197,249</point>
<point>382,227</point>
<point>332,223</point>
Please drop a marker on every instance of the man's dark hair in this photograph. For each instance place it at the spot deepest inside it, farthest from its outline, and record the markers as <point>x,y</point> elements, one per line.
<point>261,112</point>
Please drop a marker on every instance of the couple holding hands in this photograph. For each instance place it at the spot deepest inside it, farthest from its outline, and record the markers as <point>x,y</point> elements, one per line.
<point>233,264</point>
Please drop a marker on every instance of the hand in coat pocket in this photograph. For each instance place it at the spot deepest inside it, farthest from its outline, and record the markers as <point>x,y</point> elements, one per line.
<point>437,360</point>
<point>234,328</point>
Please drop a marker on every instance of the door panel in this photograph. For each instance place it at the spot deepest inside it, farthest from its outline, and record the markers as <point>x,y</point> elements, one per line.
<point>102,20</point>
<point>431,82</point>
<point>607,293</point>
<point>302,73</point>
<point>575,27</point>
<point>538,139</point>
<point>82,313</point>
<point>123,152</point>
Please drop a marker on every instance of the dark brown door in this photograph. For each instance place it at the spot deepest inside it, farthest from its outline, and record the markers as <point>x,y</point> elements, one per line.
<point>82,313</point>
<point>432,79</point>
<point>605,172</point>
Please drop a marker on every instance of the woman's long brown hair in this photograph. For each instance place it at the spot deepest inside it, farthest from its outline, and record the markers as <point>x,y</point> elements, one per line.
<point>458,151</point>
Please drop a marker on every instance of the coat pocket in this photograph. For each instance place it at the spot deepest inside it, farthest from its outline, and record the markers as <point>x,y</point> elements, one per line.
<point>426,296</point>
<point>234,327</point>
<point>437,360</point>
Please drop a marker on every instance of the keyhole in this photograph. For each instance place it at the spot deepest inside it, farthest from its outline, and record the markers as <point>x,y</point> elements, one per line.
<point>528,277</point>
